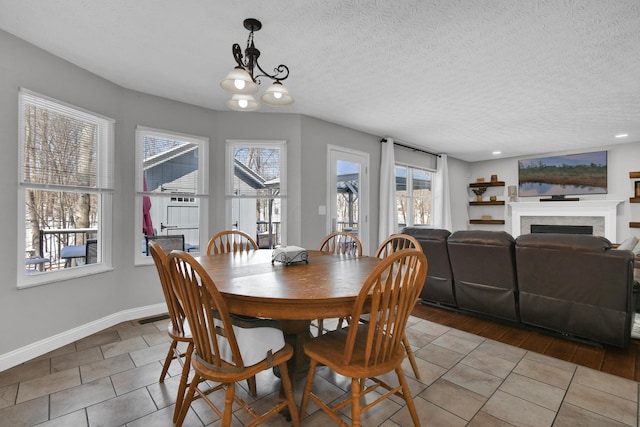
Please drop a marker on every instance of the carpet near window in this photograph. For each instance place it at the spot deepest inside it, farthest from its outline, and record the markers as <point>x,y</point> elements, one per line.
<point>617,361</point>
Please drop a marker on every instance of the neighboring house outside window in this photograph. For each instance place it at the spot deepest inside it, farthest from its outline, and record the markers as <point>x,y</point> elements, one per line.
<point>171,189</point>
<point>414,196</point>
<point>65,191</point>
<point>256,189</point>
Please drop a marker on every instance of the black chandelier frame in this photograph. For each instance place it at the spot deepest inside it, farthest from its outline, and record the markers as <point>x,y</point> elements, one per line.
<point>251,54</point>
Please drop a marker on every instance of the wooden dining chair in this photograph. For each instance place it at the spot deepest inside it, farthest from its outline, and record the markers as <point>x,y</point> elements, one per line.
<point>178,328</point>
<point>339,242</point>
<point>224,353</point>
<point>394,243</point>
<point>234,241</point>
<point>231,241</point>
<point>367,351</point>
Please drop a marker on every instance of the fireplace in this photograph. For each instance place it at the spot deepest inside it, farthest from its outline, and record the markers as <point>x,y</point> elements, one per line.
<point>600,214</point>
<point>562,229</point>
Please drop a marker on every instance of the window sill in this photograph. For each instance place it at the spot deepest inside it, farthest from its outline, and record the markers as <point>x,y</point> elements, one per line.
<point>64,275</point>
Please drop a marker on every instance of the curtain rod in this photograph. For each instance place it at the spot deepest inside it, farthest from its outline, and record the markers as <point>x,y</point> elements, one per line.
<point>411,148</point>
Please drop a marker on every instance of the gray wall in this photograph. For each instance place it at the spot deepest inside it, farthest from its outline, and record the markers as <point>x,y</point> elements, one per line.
<point>44,311</point>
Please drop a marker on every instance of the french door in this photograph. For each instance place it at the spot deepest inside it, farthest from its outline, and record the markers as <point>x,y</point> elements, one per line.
<point>348,193</point>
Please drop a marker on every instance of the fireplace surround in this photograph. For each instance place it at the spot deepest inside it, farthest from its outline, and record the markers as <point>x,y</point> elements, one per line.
<point>601,214</point>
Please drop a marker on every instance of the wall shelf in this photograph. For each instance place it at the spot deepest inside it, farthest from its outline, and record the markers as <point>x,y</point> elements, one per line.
<point>635,175</point>
<point>487,184</point>
<point>634,225</point>
<point>487,221</point>
<point>636,196</point>
<point>494,203</point>
<point>487,202</point>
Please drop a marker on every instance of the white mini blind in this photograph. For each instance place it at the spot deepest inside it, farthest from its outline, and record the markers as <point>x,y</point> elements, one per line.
<point>63,146</point>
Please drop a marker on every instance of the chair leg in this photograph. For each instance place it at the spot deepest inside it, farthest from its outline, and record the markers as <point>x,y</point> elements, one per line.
<point>406,393</point>
<point>412,359</point>
<point>228,405</point>
<point>168,359</point>
<point>288,391</point>
<point>356,388</point>
<point>253,388</point>
<point>188,399</point>
<point>320,326</point>
<point>307,388</point>
<point>186,367</point>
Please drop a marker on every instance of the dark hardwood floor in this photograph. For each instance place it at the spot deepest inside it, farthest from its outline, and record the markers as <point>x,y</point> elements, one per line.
<point>621,362</point>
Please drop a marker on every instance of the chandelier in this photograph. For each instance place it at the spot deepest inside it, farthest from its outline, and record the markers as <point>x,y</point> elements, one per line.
<point>244,79</point>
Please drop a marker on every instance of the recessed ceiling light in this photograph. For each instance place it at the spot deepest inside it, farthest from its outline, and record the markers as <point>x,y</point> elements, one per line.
<point>622,135</point>
<point>495,153</point>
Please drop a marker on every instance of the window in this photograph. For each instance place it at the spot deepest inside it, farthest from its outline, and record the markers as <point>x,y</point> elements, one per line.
<point>66,186</point>
<point>171,188</point>
<point>413,196</point>
<point>256,189</point>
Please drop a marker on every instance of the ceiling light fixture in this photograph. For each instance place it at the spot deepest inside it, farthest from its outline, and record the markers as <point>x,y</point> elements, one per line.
<point>622,135</point>
<point>243,82</point>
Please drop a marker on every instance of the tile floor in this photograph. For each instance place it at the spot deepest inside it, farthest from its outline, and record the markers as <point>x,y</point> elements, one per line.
<point>111,379</point>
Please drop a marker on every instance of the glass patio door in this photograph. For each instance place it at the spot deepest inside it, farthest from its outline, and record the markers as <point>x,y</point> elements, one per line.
<point>348,204</point>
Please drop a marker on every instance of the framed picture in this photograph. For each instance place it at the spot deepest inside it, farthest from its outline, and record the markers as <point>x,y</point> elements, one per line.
<point>637,189</point>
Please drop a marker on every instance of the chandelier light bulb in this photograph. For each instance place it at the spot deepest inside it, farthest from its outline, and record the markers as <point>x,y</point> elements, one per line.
<point>243,102</point>
<point>239,81</point>
<point>239,84</point>
<point>277,95</point>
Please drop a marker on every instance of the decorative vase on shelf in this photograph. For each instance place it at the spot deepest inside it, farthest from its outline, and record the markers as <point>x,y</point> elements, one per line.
<point>479,191</point>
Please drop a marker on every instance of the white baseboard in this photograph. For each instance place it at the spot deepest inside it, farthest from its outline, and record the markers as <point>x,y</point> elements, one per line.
<point>31,351</point>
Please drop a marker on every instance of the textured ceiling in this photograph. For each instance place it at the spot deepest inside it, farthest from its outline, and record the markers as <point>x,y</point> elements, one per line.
<point>462,77</point>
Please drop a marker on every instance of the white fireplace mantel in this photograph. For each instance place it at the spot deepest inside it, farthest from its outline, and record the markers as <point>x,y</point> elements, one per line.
<point>597,208</point>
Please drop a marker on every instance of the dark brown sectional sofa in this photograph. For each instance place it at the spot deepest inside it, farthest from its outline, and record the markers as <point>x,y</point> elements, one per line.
<point>576,286</point>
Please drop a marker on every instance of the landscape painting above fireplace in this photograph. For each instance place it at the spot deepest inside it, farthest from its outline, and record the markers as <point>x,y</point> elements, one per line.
<point>584,173</point>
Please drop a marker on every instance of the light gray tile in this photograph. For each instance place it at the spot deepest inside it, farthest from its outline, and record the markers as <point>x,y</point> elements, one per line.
<point>48,384</point>
<point>455,399</point>
<point>456,343</point>
<point>147,355</point>
<point>428,414</point>
<point>74,419</point>
<point>25,414</point>
<point>608,405</point>
<point>160,337</point>
<point>608,383</point>
<point>570,416</point>
<point>127,332</point>
<point>127,381</point>
<point>439,356</point>
<point>482,419</point>
<point>121,347</point>
<point>428,371</point>
<point>82,396</point>
<point>542,371</point>
<point>537,392</point>
<point>106,367</point>
<point>473,379</point>
<point>164,418</point>
<point>26,371</point>
<point>121,410</point>
<point>70,360</point>
<point>490,364</point>
<point>430,328</point>
<point>518,411</point>
<point>97,340</point>
<point>501,350</point>
<point>8,395</point>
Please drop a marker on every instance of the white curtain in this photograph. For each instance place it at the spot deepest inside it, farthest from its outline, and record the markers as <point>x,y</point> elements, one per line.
<point>388,221</point>
<point>441,199</point>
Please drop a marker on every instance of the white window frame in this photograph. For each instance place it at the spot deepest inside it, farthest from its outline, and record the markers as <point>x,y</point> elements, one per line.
<point>104,191</point>
<point>410,197</point>
<point>231,144</point>
<point>202,191</point>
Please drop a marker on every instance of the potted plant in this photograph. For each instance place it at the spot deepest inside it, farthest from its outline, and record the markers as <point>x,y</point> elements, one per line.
<point>479,191</point>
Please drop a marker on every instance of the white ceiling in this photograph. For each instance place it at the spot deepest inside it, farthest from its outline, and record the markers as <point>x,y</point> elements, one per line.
<point>462,77</point>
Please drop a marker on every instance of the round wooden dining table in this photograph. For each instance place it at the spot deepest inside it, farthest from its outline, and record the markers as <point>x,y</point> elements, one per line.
<point>324,287</point>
